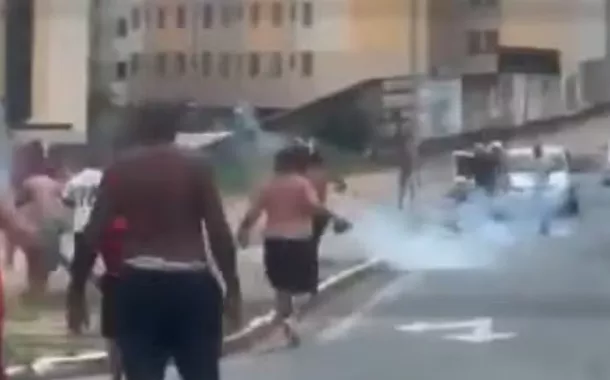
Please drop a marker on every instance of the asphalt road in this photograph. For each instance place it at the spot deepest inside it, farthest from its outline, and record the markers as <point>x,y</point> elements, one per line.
<point>538,308</point>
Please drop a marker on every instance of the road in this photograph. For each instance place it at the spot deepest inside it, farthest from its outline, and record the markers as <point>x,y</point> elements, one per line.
<point>494,305</point>
<point>539,309</point>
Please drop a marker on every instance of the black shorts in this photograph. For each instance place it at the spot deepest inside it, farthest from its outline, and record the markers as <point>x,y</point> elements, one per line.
<point>108,317</point>
<point>291,265</point>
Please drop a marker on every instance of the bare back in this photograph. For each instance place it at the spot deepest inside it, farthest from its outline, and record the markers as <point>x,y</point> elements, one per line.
<point>156,191</point>
<point>288,202</point>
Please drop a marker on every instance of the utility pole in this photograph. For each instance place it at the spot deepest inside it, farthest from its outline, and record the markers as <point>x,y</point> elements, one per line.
<point>414,145</point>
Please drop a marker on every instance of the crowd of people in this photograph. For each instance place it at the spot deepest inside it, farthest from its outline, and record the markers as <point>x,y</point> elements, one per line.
<point>152,214</point>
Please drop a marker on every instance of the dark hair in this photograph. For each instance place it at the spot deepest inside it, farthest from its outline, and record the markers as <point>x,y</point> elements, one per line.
<point>154,123</point>
<point>316,158</point>
<point>294,158</point>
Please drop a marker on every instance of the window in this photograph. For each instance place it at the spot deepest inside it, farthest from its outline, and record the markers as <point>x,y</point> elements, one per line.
<point>307,14</point>
<point>255,13</point>
<point>181,17</point>
<point>135,18</point>
<point>292,62</point>
<point>121,70</point>
<point>206,64</point>
<point>276,14</point>
<point>160,18</point>
<point>482,42</point>
<point>254,65</point>
<point>224,65</point>
<point>238,12</point>
<point>147,17</point>
<point>161,63</point>
<point>483,3</point>
<point>275,65</point>
<point>121,27</point>
<point>180,63</point>
<point>225,15</point>
<point>238,65</point>
<point>208,16</point>
<point>135,63</point>
<point>307,64</point>
<point>293,12</point>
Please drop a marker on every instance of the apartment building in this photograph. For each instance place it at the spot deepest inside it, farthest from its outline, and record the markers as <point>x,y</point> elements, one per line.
<point>272,53</point>
<point>471,36</point>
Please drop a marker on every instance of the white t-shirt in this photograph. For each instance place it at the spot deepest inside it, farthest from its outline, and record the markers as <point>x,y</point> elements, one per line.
<point>80,190</point>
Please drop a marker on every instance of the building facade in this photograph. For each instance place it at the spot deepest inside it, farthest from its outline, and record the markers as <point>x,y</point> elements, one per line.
<point>271,53</point>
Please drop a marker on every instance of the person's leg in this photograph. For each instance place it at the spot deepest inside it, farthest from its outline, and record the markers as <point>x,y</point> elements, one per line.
<point>108,318</point>
<point>284,305</point>
<point>141,310</point>
<point>114,359</point>
<point>10,248</point>
<point>402,187</point>
<point>195,326</point>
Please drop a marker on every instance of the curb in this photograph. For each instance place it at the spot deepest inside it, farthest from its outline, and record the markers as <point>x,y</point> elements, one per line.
<point>95,363</point>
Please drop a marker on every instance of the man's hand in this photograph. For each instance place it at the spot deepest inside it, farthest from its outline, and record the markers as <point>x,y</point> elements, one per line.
<point>341,225</point>
<point>77,313</point>
<point>243,238</point>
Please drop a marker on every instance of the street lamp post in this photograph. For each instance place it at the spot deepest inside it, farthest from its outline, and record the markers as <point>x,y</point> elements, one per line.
<point>413,57</point>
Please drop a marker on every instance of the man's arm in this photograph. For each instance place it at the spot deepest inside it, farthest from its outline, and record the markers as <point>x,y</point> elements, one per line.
<point>219,233</point>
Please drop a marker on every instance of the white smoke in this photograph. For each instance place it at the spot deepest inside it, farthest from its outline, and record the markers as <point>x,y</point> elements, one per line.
<point>422,239</point>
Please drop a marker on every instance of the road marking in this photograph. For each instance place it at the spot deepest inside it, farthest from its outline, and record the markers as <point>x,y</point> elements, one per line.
<point>481,330</point>
<point>387,293</point>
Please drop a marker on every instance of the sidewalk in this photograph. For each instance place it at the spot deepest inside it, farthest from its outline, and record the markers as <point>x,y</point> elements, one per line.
<point>33,332</point>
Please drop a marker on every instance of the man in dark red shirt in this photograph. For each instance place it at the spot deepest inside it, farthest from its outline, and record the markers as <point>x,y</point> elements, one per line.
<point>169,305</point>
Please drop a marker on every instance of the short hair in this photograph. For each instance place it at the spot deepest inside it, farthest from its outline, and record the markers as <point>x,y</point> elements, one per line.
<point>154,123</point>
<point>293,158</point>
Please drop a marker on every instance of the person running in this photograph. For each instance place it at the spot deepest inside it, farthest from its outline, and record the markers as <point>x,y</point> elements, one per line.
<point>78,196</point>
<point>40,202</point>
<point>408,180</point>
<point>542,170</point>
<point>169,305</point>
<point>290,202</point>
<point>111,248</point>
<point>26,160</point>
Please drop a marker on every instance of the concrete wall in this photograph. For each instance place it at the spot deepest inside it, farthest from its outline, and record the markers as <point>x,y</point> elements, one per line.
<point>577,28</point>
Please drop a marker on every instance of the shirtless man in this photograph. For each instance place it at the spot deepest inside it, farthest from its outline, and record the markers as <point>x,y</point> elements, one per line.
<point>169,305</point>
<point>39,200</point>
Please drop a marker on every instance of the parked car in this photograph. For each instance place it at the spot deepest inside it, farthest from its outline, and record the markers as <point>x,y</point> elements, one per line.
<point>522,178</point>
<point>557,187</point>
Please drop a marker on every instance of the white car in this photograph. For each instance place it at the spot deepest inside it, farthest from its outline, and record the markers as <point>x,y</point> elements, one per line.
<point>549,177</point>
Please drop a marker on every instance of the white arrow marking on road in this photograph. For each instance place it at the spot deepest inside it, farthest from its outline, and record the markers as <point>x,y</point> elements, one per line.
<point>418,327</point>
<point>481,330</point>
